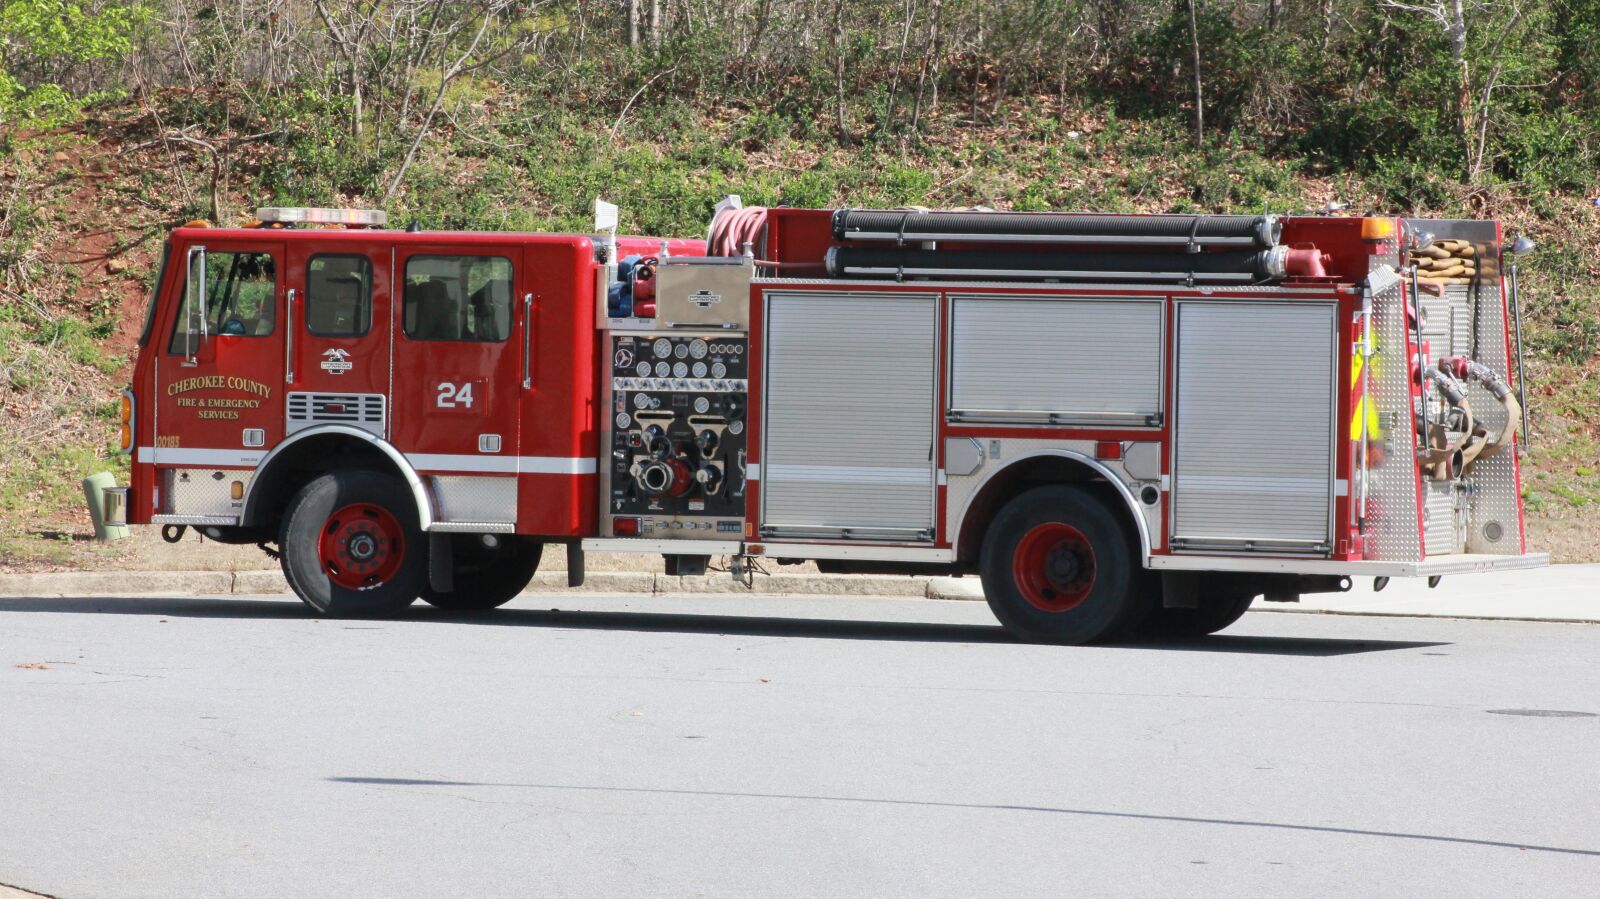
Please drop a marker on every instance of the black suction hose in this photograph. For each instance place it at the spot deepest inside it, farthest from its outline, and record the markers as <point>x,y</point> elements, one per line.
<point>1055,227</point>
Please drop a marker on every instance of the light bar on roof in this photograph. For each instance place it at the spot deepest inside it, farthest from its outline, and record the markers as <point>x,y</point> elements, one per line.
<point>372,218</point>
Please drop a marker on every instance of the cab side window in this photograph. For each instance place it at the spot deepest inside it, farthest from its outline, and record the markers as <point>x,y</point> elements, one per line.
<point>241,299</point>
<point>458,298</point>
<point>339,296</point>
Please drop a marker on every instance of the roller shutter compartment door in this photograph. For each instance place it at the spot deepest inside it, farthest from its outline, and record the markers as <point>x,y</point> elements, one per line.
<point>849,403</point>
<point>1253,457</point>
<point>1056,359</point>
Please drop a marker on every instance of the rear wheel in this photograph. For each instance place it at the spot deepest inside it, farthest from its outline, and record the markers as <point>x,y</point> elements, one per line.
<point>352,545</point>
<point>1059,566</point>
<point>486,577</point>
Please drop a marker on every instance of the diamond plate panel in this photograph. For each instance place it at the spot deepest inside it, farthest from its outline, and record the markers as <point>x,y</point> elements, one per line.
<point>1443,521</point>
<point>202,491</point>
<point>462,498</point>
<point>1392,532</point>
<point>1493,510</point>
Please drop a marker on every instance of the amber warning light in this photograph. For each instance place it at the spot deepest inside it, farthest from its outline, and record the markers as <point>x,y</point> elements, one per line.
<point>126,414</point>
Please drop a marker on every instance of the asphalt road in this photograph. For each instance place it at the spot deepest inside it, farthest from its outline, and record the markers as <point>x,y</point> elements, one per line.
<point>742,746</point>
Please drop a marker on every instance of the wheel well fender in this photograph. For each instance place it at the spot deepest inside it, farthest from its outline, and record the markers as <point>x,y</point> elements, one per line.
<point>1047,466</point>
<point>317,450</point>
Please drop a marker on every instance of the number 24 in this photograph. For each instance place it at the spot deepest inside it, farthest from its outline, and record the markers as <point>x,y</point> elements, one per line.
<point>454,396</point>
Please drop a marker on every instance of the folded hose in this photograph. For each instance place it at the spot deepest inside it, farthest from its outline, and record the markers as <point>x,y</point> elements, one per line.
<point>1481,442</point>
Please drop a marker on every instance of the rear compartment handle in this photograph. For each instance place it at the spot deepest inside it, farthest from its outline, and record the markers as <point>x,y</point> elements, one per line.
<point>527,341</point>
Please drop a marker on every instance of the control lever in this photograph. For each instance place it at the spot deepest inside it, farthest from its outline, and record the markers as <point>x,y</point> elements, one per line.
<point>706,441</point>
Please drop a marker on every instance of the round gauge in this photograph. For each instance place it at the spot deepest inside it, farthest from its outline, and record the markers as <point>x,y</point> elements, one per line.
<point>736,427</point>
<point>662,347</point>
<point>699,369</point>
<point>643,369</point>
<point>698,348</point>
<point>681,351</point>
<point>718,370</point>
<point>663,369</point>
<point>680,370</point>
<point>624,419</point>
<point>702,405</point>
<point>640,401</point>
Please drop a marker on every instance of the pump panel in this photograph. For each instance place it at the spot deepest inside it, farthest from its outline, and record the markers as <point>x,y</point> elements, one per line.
<point>676,433</point>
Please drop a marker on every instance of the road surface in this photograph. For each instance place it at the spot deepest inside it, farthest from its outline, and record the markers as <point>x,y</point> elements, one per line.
<point>760,746</point>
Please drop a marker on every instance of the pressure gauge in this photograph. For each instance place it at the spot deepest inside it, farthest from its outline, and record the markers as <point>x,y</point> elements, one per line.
<point>623,420</point>
<point>680,370</point>
<point>662,347</point>
<point>663,369</point>
<point>736,427</point>
<point>718,370</point>
<point>698,348</point>
<point>643,369</point>
<point>640,401</point>
<point>702,405</point>
<point>681,351</point>
<point>699,369</point>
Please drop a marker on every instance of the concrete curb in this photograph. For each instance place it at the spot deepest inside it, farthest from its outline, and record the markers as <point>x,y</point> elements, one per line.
<point>267,581</point>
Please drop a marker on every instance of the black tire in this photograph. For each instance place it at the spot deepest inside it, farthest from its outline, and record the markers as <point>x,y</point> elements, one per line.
<point>352,545</point>
<point>1216,611</point>
<point>486,578</point>
<point>1060,566</point>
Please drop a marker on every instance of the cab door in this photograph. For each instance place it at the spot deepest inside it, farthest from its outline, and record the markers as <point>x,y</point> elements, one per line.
<point>458,360</point>
<point>338,303</point>
<point>219,378</point>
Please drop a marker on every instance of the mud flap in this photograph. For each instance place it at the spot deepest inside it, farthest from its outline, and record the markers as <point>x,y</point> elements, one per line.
<point>441,563</point>
<point>575,564</point>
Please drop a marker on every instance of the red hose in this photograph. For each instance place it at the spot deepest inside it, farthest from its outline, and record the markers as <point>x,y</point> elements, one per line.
<point>734,228</point>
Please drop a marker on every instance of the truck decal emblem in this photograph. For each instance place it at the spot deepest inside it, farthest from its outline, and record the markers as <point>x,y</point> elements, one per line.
<point>337,361</point>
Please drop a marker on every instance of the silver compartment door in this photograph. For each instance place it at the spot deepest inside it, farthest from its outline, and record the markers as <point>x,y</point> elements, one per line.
<point>1044,360</point>
<point>849,400</point>
<point>1253,448</point>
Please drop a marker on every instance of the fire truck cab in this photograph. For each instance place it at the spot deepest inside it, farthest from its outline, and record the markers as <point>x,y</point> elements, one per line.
<point>1119,422</point>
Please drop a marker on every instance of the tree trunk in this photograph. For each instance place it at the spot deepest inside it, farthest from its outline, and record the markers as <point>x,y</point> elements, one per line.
<point>1457,32</point>
<point>838,52</point>
<point>1199,94</point>
<point>633,23</point>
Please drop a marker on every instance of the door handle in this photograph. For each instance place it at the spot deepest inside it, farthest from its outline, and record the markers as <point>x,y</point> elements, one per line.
<point>527,341</point>
<point>288,339</point>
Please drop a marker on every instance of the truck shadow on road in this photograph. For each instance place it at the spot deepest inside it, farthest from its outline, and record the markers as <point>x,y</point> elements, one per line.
<point>685,623</point>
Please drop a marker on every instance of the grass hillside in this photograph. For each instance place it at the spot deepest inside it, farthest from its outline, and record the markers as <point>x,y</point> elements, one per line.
<point>84,205</point>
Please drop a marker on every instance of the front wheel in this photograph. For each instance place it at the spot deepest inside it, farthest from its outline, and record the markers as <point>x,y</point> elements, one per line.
<point>486,577</point>
<point>352,545</point>
<point>1059,566</point>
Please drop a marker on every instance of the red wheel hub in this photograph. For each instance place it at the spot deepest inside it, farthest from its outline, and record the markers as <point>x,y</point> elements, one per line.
<point>1054,566</point>
<point>362,546</point>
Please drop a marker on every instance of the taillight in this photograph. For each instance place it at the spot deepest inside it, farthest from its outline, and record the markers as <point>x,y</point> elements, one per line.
<point>625,527</point>
<point>126,412</point>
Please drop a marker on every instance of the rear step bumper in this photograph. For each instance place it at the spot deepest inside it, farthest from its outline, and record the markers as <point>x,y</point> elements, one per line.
<point>1462,563</point>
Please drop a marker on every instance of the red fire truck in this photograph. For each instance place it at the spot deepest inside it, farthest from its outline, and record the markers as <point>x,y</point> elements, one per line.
<point>1116,421</point>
